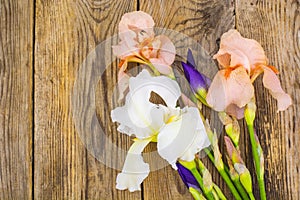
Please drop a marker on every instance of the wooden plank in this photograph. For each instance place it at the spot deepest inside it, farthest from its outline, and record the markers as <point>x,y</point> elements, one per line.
<point>204,21</point>
<point>16,41</point>
<point>276,24</point>
<point>65,33</point>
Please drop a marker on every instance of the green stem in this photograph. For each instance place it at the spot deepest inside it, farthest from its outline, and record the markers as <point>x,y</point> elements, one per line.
<point>225,177</point>
<point>251,196</point>
<point>219,192</point>
<point>259,174</point>
<point>208,194</point>
<point>155,71</point>
<point>239,186</point>
<point>230,184</point>
<point>215,194</point>
<point>241,189</point>
<point>196,194</point>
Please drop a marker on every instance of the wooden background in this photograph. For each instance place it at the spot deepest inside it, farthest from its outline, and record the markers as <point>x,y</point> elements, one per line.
<point>42,44</point>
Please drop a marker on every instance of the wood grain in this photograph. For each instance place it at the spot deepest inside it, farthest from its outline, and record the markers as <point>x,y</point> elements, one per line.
<point>276,25</point>
<point>42,155</point>
<point>204,21</point>
<point>65,33</point>
<point>16,41</point>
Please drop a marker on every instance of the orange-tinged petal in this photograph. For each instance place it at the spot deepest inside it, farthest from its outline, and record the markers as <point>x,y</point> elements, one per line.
<point>167,50</point>
<point>242,51</point>
<point>137,21</point>
<point>127,47</point>
<point>239,87</point>
<point>272,83</point>
<point>223,59</point>
<point>165,56</point>
<point>217,96</point>
<point>235,89</point>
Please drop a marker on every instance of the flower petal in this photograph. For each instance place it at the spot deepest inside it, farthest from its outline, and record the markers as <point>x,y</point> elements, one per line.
<point>167,50</point>
<point>123,81</point>
<point>217,96</point>
<point>139,116</point>
<point>196,80</point>
<point>161,66</point>
<point>127,46</point>
<point>235,111</point>
<point>236,89</point>
<point>190,58</point>
<point>135,170</point>
<point>166,55</point>
<point>165,87</point>
<point>187,177</point>
<point>272,83</point>
<point>237,50</point>
<point>136,21</point>
<point>183,138</point>
<point>239,87</point>
<point>187,101</point>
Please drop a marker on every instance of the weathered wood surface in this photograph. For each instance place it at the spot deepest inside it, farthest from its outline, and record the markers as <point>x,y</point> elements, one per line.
<point>276,25</point>
<point>16,119</point>
<point>41,154</point>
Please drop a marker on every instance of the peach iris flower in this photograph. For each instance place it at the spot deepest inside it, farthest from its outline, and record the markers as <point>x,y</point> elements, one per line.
<point>242,60</point>
<point>139,44</point>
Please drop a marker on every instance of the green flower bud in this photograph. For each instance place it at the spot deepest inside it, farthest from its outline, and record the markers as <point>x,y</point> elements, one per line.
<point>245,176</point>
<point>207,180</point>
<point>196,194</point>
<point>190,165</point>
<point>250,112</point>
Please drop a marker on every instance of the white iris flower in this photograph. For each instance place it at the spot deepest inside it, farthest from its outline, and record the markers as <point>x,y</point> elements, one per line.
<point>179,133</point>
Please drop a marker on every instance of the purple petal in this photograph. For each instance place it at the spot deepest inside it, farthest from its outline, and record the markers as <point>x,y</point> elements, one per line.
<point>190,58</point>
<point>196,79</point>
<point>207,80</point>
<point>187,177</point>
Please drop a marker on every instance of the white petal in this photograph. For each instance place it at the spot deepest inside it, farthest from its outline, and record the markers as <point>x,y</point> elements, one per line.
<point>139,116</point>
<point>182,138</point>
<point>135,170</point>
<point>165,87</point>
<point>137,120</point>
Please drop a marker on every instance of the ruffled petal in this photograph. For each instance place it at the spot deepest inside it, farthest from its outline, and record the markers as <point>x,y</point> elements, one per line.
<point>236,89</point>
<point>139,116</point>
<point>167,50</point>
<point>127,46</point>
<point>182,138</point>
<point>272,83</point>
<point>237,50</point>
<point>165,56</point>
<point>135,170</point>
<point>136,21</point>
<point>165,87</point>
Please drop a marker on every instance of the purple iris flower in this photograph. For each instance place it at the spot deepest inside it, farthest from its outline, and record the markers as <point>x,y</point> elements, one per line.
<point>187,177</point>
<point>196,80</point>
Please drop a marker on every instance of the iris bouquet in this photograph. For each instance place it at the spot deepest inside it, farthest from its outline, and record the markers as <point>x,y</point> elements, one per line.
<point>181,132</point>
